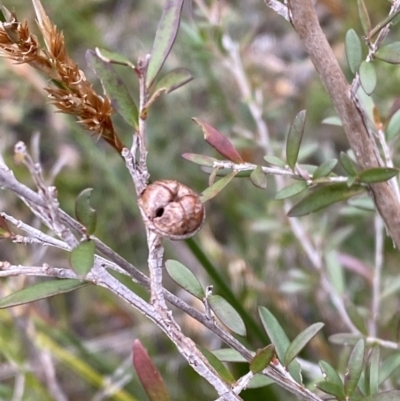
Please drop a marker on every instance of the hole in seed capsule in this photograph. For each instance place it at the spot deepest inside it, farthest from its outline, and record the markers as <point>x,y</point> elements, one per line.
<point>159,212</point>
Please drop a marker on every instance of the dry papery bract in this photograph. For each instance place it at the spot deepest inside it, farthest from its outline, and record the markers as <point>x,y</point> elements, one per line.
<point>70,91</point>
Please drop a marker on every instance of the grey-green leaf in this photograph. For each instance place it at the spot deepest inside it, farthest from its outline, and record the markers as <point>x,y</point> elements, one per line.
<point>389,365</point>
<point>301,341</point>
<point>115,88</point>
<point>217,187</point>
<point>368,77</point>
<point>294,139</point>
<point>364,17</point>
<point>174,80</point>
<point>167,30</point>
<point>40,290</point>
<point>323,197</point>
<point>82,257</point>
<point>356,318</point>
<point>353,50</point>
<point>201,160</point>
<point>291,190</point>
<point>334,120</point>
<point>330,374</point>
<point>262,358</point>
<point>227,314</point>
<point>331,388</point>
<point>393,127</point>
<point>389,53</point>
<point>229,355</point>
<point>274,161</point>
<point>258,178</point>
<point>348,164</point>
<point>185,278</point>
<point>354,368</point>
<point>113,57</point>
<point>391,395</point>
<point>373,370</point>
<point>325,169</point>
<point>84,213</point>
<point>279,339</point>
<point>345,338</point>
<point>377,174</point>
<point>260,381</point>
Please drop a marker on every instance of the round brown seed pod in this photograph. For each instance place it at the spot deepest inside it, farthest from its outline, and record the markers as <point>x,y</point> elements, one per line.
<point>171,209</point>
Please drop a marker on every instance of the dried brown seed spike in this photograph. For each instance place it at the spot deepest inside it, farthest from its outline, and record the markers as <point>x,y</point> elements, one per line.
<point>171,209</point>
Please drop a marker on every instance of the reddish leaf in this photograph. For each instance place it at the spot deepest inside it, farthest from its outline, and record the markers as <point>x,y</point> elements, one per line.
<point>148,374</point>
<point>219,142</point>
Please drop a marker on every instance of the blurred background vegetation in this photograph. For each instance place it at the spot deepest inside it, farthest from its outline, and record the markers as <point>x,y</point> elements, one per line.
<point>246,237</point>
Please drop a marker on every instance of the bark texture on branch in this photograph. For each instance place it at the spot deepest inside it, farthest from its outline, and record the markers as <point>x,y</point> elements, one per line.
<point>306,24</point>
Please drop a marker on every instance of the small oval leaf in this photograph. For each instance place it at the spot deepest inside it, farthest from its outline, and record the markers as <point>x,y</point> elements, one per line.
<point>323,197</point>
<point>220,368</point>
<point>354,368</point>
<point>364,17</point>
<point>330,374</point>
<point>82,257</point>
<point>262,358</point>
<point>216,188</point>
<point>167,30</point>
<point>148,374</point>
<point>200,159</point>
<point>368,77</point>
<point>174,80</point>
<point>345,338</point>
<point>258,178</point>
<point>294,139</point>
<point>227,315</point>
<point>291,190</point>
<point>331,388</point>
<point>113,57</point>
<point>229,355</point>
<point>219,142</point>
<point>353,50</point>
<point>377,174</point>
<point>259,381</point>
<point>389,53</point>
<point>115,88</point>
<point>393,127</point>
<point>301,341</point>
<point>84,213</point>
<point>274,161</point>
<point>184,278</point>
<point>41,290</point>
<point>325,169</point>
<point>348,164</point>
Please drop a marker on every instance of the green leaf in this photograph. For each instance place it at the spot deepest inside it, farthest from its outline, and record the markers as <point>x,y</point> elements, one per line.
<point>229,355</point>
<point>345,338</point>
<point>291,190</point>
<point>167,30</point>
<point>323,197</point>
<point>330,374</point>
<point>354,368</point>
<point>356,318</point>
<point>220,368</point>
<point>40,290</point>
<point>200,159</point>
<point>262,358</point>
<point>325,169</point>
<point>335,120</point>
<point>274,161</point>
<point>279,339</point>
<point>391,395</point>
<point>332,388</point>
<point>216,188</point>
<point>174,80</point>
<point>393,127</point>
<point>148,374</point>
<point>363,203</point>
<point>219,142</point>
<point>301,341</point>
<point>389,53</point>
<point>377,174</point>
<point>113,57</point>
<point>82,257</point>
<point>258,178</point>
<point>84,213</point>
<point>373,370</point>
<point>353,50</point>
<point>294,139</point>
<point>364,17</point>
<point>348,164</point>
<point>389,365</point>
<point>185,278</point>
<point>259,381</point>
<point>227,314</point>
<point>223,172</point>
<point>368,77</point>
<point>115,88</point>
